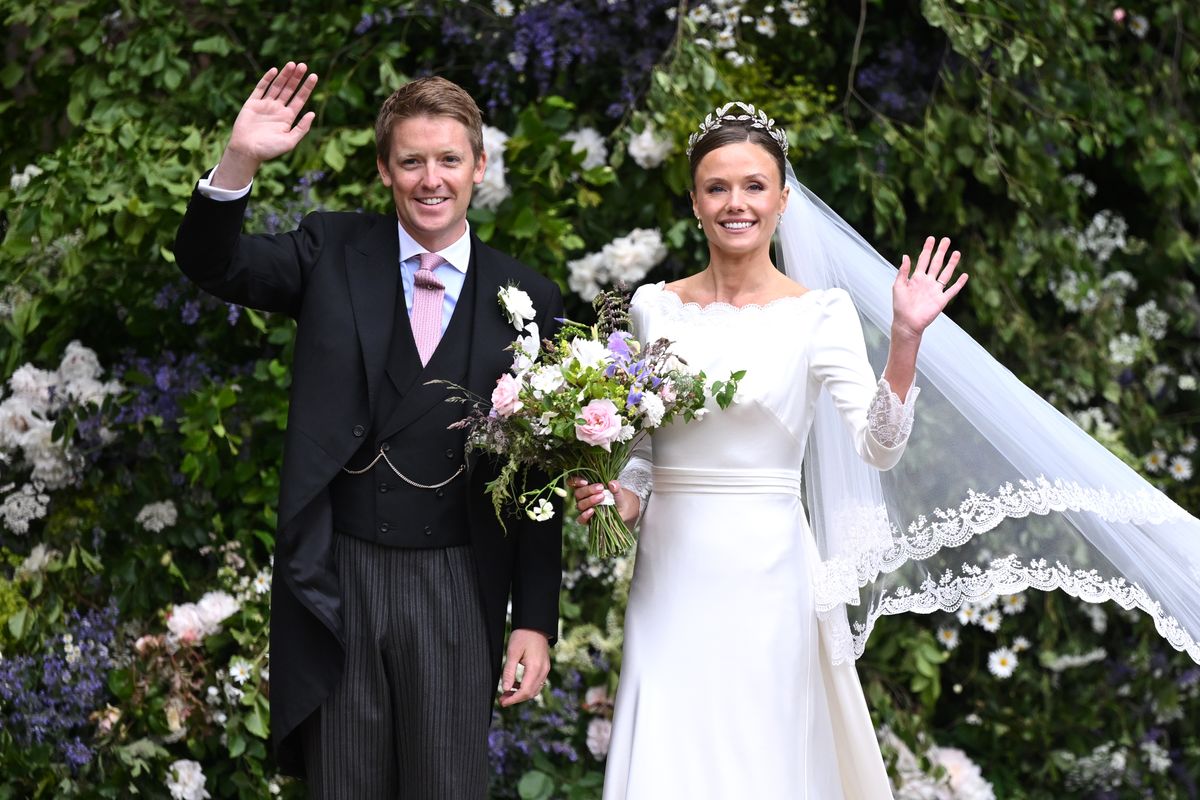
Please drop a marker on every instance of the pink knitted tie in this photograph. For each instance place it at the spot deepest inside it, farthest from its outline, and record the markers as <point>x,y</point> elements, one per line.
<point>428,293</point>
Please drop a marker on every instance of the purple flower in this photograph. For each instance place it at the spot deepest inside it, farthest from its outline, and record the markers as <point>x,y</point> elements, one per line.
<point>190,312</point>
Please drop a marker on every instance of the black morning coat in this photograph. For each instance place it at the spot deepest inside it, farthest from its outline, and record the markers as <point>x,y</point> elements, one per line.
<point>337,276</point>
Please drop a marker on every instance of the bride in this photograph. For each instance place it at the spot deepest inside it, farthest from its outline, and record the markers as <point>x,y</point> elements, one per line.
<point>751,598</point>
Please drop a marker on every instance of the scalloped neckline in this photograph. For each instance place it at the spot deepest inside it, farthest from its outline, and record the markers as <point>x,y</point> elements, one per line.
<point>718,305</point>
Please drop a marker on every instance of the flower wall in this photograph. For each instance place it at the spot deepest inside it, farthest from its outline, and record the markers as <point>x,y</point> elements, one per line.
<point>140,420</point>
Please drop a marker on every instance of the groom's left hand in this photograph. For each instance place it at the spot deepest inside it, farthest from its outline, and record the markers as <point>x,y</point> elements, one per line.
<point>532,649</point>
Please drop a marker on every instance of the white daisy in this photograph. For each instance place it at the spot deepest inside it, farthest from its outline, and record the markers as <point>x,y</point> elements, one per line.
<point>1181,468</point>
<point>1155,460</point>
<point>1002,662</point>
<point>1013,603</point>
<point>503,7</point>
<point>990,621</point>
<point>968,614</point>
<point>239,671</point>
<point>262,582</point>
<point>948,637</point>
<point>1020,644</point>
<point>1189,445</point>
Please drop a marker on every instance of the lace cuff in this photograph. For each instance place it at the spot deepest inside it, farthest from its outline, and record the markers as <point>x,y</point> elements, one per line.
<point>888,420</point>
<point>638,477</point>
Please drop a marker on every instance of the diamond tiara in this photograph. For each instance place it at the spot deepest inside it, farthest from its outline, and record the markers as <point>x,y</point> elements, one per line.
<point>755,118</point>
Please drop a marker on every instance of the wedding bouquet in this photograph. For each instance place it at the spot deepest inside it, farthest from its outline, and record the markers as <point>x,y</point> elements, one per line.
<point>578,403</point>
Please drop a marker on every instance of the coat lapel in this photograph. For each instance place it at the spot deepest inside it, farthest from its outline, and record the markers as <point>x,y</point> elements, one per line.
<point>490,358</point>
<point>373,272</point>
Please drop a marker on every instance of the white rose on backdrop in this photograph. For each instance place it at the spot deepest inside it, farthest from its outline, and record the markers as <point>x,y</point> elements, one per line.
<point>966,779</point>
<point>599,733</point>
<point>648,149</point>
<point>21,179</point>
<point>185,624</point>
<point>185,780</point>
<point>33,385</point>
<point>494,189</point>
<point>215,608</point>
<point>589,142</point>
<point>79,363</point>
<point>584,275</point>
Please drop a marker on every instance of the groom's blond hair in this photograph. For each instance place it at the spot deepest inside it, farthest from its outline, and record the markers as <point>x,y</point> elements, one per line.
<point>428,97</point>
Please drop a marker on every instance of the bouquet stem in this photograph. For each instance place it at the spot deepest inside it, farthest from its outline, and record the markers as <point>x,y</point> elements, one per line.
<point>608,535</point>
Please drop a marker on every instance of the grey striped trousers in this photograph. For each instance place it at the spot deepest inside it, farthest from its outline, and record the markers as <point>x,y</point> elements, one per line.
<point>409,718</point>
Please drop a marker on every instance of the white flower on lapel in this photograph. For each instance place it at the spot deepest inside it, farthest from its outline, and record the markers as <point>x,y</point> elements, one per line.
<point>517,306</point>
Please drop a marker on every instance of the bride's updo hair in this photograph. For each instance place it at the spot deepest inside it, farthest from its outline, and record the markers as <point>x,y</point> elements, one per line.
<point>733,132</point>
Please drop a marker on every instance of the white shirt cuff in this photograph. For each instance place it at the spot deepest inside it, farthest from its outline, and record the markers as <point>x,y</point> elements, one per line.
<point>206,188</point>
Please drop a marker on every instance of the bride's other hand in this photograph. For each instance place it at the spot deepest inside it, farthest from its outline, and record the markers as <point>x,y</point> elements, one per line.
<point>919,294</point>
<point>590,495</point>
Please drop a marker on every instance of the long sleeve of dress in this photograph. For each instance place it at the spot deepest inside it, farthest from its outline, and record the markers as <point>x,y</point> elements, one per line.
<point>876,418</point>
<point>638,475</point>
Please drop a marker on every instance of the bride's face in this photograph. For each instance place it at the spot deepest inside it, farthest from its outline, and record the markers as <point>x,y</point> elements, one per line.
<point>739,197</point>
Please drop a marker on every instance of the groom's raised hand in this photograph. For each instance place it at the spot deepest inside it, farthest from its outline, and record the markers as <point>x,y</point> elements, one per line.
<point>266,127</point>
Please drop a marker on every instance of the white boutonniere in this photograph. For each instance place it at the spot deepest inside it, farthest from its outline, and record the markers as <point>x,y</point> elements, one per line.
<point>516,306</point>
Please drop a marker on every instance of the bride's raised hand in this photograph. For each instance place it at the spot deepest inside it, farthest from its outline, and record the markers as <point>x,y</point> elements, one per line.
<point>920,293</point>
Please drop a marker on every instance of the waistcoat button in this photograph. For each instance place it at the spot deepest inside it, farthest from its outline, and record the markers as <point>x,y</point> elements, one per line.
<point>449,454</point>
<point>383,488</point>
<point>359,430</point>
<point>428,531</point>
<point>385,447</point>
<point>383,527</point>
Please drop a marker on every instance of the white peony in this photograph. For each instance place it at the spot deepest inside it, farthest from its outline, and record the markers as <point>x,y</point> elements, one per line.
<point>185,781</point>
<point>589,142</point>
<point>186,625</point>
<point>33,385</point>
<point>648,149</point>
<point>584,276</point>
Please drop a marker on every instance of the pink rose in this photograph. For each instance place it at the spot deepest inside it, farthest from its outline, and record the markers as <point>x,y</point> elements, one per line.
<point>1118,15</point>
<point>506,397</point>
<point>601,424</point>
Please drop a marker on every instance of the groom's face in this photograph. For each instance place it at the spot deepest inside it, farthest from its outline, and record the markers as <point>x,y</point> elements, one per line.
<point>431,171</point>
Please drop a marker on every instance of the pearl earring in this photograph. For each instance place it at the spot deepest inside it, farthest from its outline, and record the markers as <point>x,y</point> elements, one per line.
<point>699,224</point>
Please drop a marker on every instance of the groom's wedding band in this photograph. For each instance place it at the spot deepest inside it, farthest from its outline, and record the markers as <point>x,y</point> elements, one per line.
<point>940,283</point>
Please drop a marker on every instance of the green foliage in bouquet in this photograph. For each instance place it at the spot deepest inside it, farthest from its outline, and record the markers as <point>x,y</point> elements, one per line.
<point>577,404</point>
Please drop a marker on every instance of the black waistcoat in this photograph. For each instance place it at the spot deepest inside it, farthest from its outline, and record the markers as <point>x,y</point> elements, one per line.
<point>379,505</point>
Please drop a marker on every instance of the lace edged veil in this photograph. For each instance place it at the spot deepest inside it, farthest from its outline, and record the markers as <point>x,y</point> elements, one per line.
<point>997,491</point>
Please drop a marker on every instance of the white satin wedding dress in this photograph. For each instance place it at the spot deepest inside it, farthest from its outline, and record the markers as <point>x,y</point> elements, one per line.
<point>726,691</point>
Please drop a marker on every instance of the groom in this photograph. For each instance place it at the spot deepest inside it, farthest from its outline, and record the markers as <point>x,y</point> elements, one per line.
<point>392,575</point>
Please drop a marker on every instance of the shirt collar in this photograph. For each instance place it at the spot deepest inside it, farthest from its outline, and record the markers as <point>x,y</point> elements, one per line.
<point>457,255</point>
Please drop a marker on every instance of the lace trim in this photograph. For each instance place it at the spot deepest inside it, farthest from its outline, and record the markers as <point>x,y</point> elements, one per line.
<point>871,545</point>
<point>719,308</point>
<point>889,420</point>
<point>638,477</point>
<point>1006,575</point>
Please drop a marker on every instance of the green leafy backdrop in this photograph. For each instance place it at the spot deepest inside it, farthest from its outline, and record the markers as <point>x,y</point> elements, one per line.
<point>1056,142</point>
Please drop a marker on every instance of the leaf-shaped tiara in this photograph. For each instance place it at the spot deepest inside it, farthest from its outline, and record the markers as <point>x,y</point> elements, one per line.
<point>754,117</point>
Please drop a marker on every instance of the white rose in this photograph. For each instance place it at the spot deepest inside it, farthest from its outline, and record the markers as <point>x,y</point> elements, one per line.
<point>589,353</point>
<point>185,623</point>
<point>591,143</point>
<point>547,380</point>
<point>648,149</point>
<point>517,305</point>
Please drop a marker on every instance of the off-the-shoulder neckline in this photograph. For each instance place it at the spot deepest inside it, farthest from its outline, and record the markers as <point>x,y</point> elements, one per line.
<point>718,305</point>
